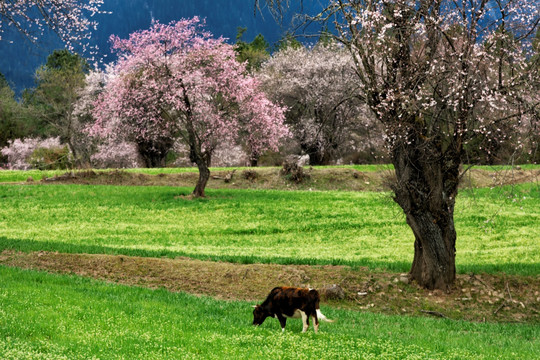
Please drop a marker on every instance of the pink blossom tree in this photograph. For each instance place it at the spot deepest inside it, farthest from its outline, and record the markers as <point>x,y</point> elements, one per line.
<point>69,19</point>
<point>437,74</point>
<point>177,82</point>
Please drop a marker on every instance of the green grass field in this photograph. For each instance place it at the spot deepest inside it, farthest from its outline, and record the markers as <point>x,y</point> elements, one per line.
<point>45,316</point>
<point>497,228</point>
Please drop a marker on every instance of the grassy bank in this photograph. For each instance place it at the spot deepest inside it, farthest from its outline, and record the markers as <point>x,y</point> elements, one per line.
<point>497,228</point>
<point>23,175</point>
<point>36,175</point>
<point>46,316</point>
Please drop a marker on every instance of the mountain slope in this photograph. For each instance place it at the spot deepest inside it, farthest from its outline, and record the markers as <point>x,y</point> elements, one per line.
<point>19,59</point>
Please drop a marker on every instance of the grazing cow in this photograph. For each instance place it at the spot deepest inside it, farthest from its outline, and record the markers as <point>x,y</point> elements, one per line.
<point>290,302</point>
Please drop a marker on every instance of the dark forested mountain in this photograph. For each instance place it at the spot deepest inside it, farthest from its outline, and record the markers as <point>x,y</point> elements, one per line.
<point>19,59</point>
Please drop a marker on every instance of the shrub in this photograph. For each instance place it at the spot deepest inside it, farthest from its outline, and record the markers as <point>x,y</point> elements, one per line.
<point>250,175</point>
<point>51,158</point>
<point>294,172</point>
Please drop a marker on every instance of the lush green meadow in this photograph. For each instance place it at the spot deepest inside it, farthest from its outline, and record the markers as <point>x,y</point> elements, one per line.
<point>497,228</point>
<point>45,316</point>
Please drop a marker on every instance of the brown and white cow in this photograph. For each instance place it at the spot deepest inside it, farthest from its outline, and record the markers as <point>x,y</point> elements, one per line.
<point>290,302</point>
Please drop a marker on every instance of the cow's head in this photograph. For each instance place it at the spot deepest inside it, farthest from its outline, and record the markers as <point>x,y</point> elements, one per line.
<point>259,315</point>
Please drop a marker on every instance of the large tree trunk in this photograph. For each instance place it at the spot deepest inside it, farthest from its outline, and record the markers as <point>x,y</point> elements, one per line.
<point>196,154</point>
<point>434,251</point>
<point>426,188</point>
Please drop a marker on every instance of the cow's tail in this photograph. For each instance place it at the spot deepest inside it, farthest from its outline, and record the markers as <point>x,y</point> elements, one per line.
<point>321,316</point>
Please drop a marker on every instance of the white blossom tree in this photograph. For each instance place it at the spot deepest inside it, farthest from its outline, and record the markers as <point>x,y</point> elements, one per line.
<point>319,88</point>
<point>434,73</point>
<point>113,151</point>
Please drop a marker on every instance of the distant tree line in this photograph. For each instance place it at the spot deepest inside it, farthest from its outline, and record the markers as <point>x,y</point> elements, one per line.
<point>316,84</point>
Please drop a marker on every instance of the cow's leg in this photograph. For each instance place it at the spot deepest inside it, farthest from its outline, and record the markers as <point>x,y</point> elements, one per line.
<point>305,321</point>
<point>315,322</point>
<point>282,321</point>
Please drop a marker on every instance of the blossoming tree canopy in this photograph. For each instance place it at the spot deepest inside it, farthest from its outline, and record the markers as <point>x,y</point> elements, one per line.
<point>70,19</point>
<point>176,81</point>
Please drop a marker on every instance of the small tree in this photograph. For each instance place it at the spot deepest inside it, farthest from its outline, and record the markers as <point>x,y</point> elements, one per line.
<point>16,120</point>
<point>59,82</point>
<point>10,125</point>
<point>111,151</point>
<point>254,53</point>
<point>176,81</point>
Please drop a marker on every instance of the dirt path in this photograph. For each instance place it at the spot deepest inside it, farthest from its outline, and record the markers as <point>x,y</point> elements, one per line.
<point>492,298</point>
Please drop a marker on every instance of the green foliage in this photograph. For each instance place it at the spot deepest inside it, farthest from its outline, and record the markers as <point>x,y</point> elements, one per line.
<point>62,72</point>
<point>63,60</point>
<point>326,38</point>
<point>497,228</point>
<point>44,316</point>
<point>57,88</point>
<point>255,52</point>
<point>15,119</point>
<point>51,158</point>
<point>10,127</point>
<point>3,81</point>
<point>288,41</point>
